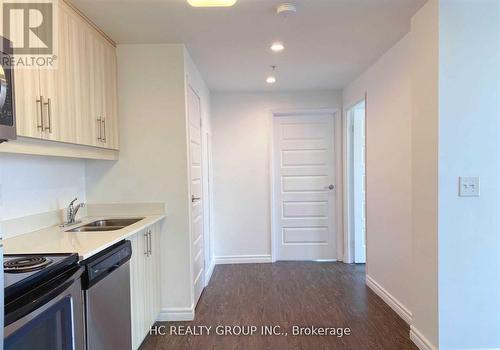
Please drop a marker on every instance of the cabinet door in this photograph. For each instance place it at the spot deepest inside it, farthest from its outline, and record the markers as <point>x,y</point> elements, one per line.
<point>155,262</point>
<point>96,75</point>
<point>110,114</point>
<point>86,133</point>
<point>152,277</point>
<point>145,282</point>
<point>58,89</point>
<point>29,108</point>
<point>29,113</point>
<point>138,289</point>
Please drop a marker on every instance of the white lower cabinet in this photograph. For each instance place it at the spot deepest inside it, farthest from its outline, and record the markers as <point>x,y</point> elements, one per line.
<point>145,281</point>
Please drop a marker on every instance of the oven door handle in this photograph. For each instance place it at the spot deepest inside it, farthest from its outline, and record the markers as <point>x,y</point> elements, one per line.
<point>50,291</point>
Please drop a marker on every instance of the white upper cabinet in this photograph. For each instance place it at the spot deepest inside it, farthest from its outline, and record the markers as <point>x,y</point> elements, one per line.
<point>77,102</point>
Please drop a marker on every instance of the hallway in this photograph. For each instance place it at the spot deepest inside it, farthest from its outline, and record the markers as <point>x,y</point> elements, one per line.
<point>291,294</point>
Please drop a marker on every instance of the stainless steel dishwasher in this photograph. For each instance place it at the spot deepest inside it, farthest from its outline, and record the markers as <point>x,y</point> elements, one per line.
<point>106,285</point>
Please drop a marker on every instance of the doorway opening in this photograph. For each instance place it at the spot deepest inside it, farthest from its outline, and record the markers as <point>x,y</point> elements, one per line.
<point>356,183</point>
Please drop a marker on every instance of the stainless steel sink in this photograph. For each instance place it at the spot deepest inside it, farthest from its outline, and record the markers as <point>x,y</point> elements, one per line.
<point>95,229</point>
<point>113,222</point>
<point>106,225</point>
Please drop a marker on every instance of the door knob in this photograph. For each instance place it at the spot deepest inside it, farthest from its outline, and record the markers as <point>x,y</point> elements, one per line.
<point>331,187</point>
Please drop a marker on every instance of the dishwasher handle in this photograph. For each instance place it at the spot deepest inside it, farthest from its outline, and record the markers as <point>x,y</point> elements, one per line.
<point>101,265</point>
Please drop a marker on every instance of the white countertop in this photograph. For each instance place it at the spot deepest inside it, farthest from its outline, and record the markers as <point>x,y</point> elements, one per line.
<point>56,239</point>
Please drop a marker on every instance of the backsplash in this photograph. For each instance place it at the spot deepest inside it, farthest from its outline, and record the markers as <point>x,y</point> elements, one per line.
<point>33,184</point>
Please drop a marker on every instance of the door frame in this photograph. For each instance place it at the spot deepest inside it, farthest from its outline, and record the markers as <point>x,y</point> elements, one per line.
<point>348,190</point>
<point>338,203</point>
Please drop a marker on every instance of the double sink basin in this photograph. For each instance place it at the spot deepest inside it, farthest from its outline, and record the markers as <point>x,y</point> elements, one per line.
<point>105,225</point>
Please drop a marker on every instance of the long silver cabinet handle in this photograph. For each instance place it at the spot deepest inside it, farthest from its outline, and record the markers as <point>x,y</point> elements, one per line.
<point>150,244</point>
<point>49,115</point>
<point>40,126</point>
<point>146,251</point>
<point>99,138</point>
<point>104,129</point>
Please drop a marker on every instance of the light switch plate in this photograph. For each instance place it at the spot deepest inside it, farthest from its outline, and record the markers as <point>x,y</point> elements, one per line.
<point>468,186</point>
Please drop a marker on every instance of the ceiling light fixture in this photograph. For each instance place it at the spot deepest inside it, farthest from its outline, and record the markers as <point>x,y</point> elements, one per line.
<point>277,47</point>
<point>271,79</point>
<point>286,9</point>
<point>211,3</point>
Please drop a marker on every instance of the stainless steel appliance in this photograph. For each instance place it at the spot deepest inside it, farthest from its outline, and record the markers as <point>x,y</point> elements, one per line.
<point>43,302</point>
<point>106,284</point>
<point>7,98</point>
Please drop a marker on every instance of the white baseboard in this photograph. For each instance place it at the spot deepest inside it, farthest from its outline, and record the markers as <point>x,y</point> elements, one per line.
<point>420,341</point>
<point>209,272</point>
<point>243,259</point>
<point>176,314</point>
<point>394,303</point>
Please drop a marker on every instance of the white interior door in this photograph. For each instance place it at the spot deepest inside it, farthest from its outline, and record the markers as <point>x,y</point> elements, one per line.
<point>304,187</point>
<point>359,181</point>
<point>194,116</point>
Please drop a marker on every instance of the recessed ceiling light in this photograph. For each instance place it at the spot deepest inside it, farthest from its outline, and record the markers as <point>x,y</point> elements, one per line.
<point>277,47</point>
<point>271,80</point>
<point>211,3</point>
<point>286,9</point>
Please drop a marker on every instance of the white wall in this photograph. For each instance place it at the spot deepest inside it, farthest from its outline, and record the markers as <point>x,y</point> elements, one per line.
<point>469,145</point>
<point>424,70</point>
<point>33,184</point>
<point>153,164</point>
<point>388,168</point>
<point>241,139</point>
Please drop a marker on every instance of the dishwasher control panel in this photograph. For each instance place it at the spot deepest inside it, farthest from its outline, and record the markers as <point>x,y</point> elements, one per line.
<point>104,263</point>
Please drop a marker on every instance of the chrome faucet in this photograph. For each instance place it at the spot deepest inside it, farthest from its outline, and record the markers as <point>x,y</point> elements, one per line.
<point>71,212</point>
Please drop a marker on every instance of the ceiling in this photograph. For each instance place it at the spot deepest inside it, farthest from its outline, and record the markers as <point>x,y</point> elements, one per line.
<point>328,42</point>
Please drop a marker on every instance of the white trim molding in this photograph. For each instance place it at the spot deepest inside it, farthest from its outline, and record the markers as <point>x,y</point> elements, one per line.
<point>243,259</point>
<point>394,303</point>
<point>209,272</point>
<point>176,314</point>
<point>420,340</point>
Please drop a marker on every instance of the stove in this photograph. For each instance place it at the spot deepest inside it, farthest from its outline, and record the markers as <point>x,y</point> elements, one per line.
<point>43,302</point>
<point>26,264</point>
<point>24,272</point>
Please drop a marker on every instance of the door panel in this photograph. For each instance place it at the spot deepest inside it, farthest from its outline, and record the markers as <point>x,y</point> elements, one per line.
<point>304,161</point>
<point>305,209</point>
<point>305,235</point>
<point>194,118</point>
<point>29,107</point>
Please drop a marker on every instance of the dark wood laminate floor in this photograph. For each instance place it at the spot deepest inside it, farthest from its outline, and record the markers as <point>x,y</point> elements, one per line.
<point>288,294</point>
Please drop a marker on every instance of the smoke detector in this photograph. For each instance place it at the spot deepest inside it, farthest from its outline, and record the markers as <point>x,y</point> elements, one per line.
<point>286,9</point>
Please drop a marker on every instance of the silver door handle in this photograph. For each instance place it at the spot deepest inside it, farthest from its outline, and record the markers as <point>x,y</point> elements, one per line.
<point>104,129</point>
<point>99,137</point>
<point>146,251</point>
<point>49,115</point>
<point>194,199</point>
<point>40,126</point>
<point>150,244</point>
<point>331,187</point>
